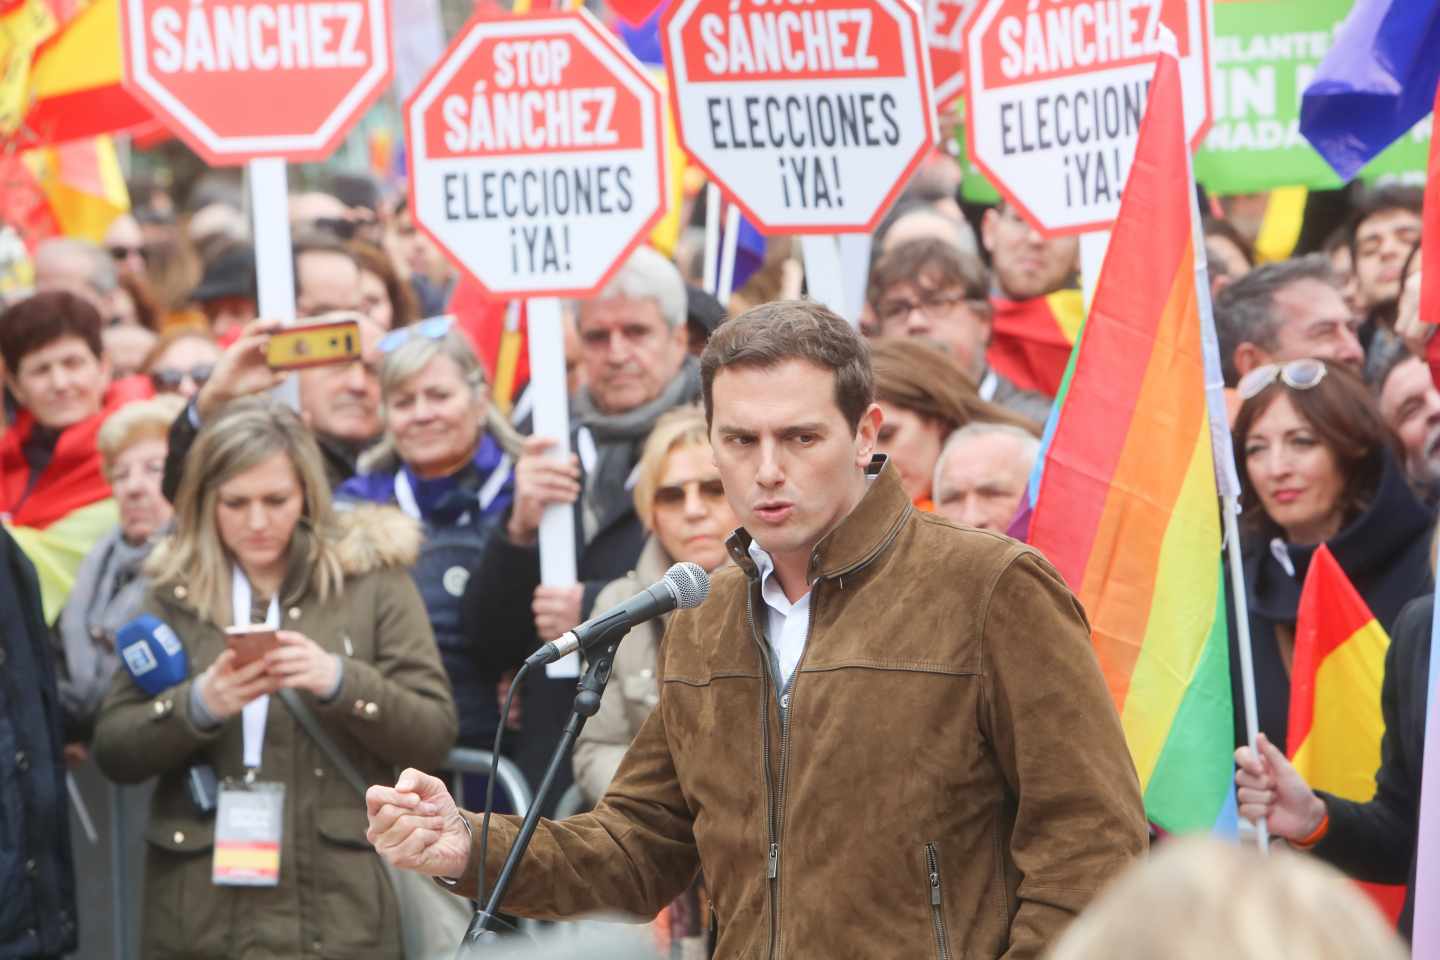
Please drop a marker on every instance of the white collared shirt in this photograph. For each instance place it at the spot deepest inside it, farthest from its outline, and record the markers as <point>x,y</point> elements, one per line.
<point>786,623</point>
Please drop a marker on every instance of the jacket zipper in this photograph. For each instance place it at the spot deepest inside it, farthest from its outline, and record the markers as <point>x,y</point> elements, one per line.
<point>776,797</point>
<point>773,866</point>
<point>937,913</point>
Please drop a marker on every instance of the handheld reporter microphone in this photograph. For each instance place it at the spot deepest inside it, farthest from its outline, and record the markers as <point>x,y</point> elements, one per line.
<point>152,654</point>
<point>684,586</point>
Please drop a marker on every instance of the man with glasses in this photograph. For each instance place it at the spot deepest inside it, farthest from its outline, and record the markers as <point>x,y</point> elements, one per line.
<point>1285,311</point>
<point>126,245</point>
<point>928,289</point>
<point>340,402</point>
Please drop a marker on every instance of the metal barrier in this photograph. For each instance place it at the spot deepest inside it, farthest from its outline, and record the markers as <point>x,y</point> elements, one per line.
<point>464,760</point>
<point>125,903</point>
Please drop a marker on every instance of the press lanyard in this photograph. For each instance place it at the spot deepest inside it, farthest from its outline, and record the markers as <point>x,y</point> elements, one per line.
<point>405,494</point>
<point>253,714</point>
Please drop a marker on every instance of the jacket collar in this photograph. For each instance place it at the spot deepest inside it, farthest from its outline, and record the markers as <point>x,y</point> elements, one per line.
<point>859,538</point>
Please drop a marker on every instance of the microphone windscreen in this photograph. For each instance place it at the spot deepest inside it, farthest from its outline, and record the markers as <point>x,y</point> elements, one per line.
<point>690,584</point>
<point>152,654</point>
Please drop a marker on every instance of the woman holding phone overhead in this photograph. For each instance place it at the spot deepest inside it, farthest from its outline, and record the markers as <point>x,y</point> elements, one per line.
<point>274,861</point>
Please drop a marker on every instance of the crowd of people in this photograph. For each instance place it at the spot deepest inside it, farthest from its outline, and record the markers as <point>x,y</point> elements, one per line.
<point>386,528</point>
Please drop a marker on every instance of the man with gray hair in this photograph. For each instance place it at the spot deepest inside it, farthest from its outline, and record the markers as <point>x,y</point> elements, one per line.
<point>1285,311</point>
<point>982,472</point>
<point>79,266</point>
<point>633,349</point>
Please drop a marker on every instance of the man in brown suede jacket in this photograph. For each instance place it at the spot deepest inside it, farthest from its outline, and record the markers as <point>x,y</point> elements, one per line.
<point>882,735</point>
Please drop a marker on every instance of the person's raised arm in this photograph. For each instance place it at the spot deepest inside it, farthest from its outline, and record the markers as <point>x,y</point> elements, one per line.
<point>240,372</point>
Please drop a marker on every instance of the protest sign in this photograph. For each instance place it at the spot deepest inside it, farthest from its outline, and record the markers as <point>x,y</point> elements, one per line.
<point>1055,92</point>
<point>810,114</point>
<point>238,79</point>
<point>945,22</point>
<point>1265,54</point>
<point>536,147</point>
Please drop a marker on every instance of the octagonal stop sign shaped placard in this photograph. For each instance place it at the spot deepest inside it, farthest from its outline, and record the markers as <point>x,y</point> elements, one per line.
<point>810,114</point>
<point>536,154</point>
<point>242,79</point>
<point>1055,91</point>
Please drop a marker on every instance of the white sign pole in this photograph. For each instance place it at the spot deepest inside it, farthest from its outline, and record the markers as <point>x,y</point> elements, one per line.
<point>823,276</point>
<point>274,272</point>
<point>725,282</point>
<point>552,419</point>
<point>1092,257</point>
<point>855,269</point>
<point>712,239</point>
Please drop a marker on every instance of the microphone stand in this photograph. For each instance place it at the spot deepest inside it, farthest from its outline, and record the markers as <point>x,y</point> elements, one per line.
<point>485,924</point>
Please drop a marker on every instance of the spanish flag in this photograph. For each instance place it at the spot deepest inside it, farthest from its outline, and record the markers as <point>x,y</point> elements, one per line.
<point>1335,719</point>
<point>1126,506</point>
<point>1030,340</point>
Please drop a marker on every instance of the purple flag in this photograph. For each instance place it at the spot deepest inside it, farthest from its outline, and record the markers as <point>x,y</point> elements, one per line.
<point>1375,83</point>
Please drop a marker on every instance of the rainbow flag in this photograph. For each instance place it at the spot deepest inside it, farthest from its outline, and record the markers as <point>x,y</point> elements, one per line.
<point>1335,720</point>
<point>1126,504</point>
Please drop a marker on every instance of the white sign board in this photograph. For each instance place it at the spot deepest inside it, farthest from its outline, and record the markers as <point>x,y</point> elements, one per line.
<point>1055,91</point>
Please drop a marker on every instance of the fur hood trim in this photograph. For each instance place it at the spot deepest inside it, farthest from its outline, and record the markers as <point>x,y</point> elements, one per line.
<point>374,537</point>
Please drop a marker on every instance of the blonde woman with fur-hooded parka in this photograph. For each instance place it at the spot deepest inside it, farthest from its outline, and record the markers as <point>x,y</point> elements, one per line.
<point>392,707</point>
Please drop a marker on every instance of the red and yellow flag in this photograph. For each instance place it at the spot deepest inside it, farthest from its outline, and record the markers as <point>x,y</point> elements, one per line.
<point>1031,340</point>
<point>1335,719</point>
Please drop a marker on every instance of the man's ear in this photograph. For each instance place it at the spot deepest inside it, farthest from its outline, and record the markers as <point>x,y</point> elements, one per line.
<point>988,222</point>
<point>1248,356</point>
<point>867,434</point>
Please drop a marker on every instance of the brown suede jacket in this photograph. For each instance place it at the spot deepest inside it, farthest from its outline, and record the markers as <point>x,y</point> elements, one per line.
<point>949,777</point>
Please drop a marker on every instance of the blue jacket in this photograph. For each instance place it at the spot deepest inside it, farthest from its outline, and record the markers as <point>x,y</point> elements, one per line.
<point>458,513</point>
<point>37,877</point>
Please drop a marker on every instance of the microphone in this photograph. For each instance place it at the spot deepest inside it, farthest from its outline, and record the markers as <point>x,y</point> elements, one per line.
<point>152,654</point>
<point>684,586</point>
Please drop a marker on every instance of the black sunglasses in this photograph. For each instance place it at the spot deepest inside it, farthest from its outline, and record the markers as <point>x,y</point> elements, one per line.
<point>168,380</point>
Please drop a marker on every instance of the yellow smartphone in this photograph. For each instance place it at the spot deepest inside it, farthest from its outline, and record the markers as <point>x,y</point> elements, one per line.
<point>333,338</point>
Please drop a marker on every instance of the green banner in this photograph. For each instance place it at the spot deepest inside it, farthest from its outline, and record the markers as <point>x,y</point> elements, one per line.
<point>1265,53</point>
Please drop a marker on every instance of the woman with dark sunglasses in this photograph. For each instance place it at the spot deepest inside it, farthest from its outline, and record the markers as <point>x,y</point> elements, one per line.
<point>1319,466</point>
<point>181,361</point>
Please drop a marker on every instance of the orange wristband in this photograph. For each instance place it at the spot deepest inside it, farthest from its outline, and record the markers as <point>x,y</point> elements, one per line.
<point>1316,835</point>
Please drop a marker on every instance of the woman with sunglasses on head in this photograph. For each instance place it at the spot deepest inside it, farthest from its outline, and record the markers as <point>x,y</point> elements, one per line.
<point>181,361</point>
<point>446,459</point>
<point>1318,466</point>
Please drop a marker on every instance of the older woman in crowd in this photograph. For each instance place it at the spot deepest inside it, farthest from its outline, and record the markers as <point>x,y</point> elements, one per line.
<point>924,397</point>
<point>1320,466</point>
<point>446,461</point>
<point>680,500</point>
<point>109,587</point>
<point>257,541</point>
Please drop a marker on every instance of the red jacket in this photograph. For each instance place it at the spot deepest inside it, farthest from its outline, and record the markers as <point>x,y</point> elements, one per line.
<point>73,478</point>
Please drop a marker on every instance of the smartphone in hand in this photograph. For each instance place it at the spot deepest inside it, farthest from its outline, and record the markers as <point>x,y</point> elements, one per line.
<point>250,643</point>
<point>331,338</point>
